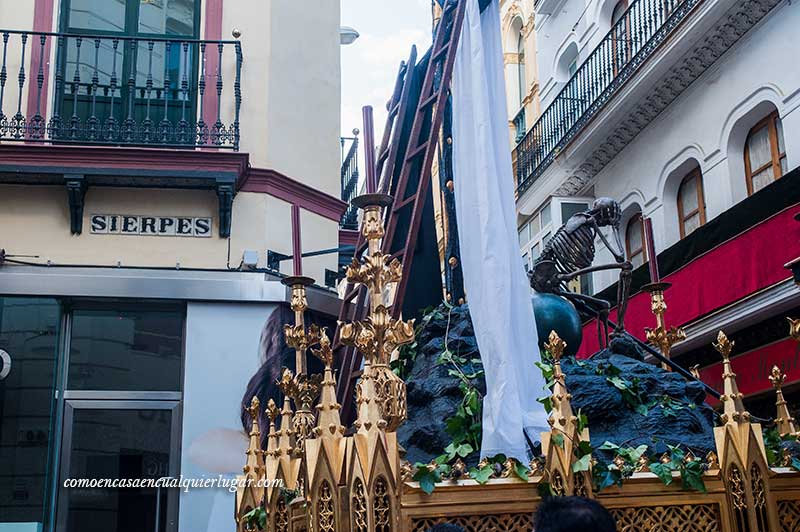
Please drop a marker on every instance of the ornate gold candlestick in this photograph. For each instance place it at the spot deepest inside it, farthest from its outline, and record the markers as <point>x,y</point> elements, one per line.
<point>381,395</point>
<point>662,337</point>
<point>302,388</point>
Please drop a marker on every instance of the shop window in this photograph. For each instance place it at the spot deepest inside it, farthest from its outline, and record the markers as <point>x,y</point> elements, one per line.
<point>691,203</point>
<point>764,153</point>
<point>126,349</point>
<point>29,339</point>
<point>634,241</point>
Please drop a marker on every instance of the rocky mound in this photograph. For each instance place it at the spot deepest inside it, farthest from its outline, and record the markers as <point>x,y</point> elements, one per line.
<point>627,401</point>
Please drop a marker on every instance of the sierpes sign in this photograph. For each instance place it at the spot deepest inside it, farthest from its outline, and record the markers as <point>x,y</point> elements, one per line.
<point>128,224</point>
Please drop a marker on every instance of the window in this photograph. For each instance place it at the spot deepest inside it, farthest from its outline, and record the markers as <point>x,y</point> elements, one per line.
<point>691,203</point>
<point>521,68</point>
<point>123,53</point>
<point>622,35</point>
<point>764,153</point>
<point>634,241</point>
<point>573,67</point>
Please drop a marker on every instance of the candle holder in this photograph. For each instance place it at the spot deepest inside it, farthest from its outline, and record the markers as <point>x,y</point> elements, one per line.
<point>380,394</point>
<point>662,337</point>
<point>299,386</point>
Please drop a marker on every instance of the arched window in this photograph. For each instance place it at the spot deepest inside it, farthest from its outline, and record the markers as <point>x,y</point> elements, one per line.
<point>691,203</point>
<point>521,67</point>
<point>634,241</point>
<point>622,33</point>
<point>764,153</point>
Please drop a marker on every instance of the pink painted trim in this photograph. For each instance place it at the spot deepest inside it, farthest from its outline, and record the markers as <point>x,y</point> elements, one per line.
<point>213,32</point>
<point>297,247</point>
<point>291,191</point>
<point>42,21</point>
<point>348,237</point>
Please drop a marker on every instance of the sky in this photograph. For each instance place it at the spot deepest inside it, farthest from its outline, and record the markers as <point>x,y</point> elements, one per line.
<point>388,28</point>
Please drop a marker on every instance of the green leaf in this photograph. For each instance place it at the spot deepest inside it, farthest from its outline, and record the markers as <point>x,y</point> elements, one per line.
<point>584,449</point>
<point>662,471</point>
<point>583,421</point>
<point>608,446</point>
<point>547,401</point>
<point>545,489</point>
<point>482,475</point>
<point>641,409</point>
<point>558,439</point>
<point>464,450</point>
<point>604,479</point>
<point>582,464</point>
<point>692,476</point>
<point>520,470</point>
<point>427,484</point>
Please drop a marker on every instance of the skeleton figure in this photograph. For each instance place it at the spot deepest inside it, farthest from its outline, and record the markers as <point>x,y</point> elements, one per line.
<point>570,253</point>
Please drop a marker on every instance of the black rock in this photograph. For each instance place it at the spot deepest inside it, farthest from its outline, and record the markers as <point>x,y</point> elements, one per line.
<point>675,409</point>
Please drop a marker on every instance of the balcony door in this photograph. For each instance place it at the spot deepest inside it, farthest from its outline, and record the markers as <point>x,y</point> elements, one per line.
<point>127,71</point>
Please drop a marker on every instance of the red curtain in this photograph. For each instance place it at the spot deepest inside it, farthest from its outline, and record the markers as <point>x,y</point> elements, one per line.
<point>745,264</point>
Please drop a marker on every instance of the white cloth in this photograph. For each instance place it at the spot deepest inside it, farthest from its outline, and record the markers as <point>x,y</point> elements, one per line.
<point>495,282</point>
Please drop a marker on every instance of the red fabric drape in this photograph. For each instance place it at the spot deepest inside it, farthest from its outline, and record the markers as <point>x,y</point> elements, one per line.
<point>749,262</point>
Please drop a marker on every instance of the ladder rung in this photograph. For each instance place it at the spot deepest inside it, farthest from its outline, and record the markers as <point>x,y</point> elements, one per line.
<point>394,109</point>
<point>396,255</point>
<point>442,51</point>
<point>349,296</point>
<point>429,100</point>
<point>383,155</point>
<point>400,205</point>
<point>355,375</point>
<point>417,151</point>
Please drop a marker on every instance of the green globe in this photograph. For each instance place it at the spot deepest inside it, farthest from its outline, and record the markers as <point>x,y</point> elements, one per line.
<point>554,313</point>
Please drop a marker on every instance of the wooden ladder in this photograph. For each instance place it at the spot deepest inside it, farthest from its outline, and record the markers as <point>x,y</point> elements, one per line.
<point>412,185</point>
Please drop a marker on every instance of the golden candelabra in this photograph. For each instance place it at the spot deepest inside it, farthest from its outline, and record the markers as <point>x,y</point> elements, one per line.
<point>662,337</point>
<point>302,388</point>
<point>380,394</point>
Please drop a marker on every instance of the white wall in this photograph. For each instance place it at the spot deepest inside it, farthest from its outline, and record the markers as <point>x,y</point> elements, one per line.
<point>708,123</point>
<point>222,354</point>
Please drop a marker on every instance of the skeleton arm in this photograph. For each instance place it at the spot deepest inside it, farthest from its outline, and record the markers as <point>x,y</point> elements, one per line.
<point>617,251</point>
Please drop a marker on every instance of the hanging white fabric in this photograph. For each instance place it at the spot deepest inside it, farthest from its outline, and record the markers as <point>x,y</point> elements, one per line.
<point>494,276</point>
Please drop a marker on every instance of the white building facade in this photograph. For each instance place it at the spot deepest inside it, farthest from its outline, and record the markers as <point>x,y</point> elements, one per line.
<point>686,112</point>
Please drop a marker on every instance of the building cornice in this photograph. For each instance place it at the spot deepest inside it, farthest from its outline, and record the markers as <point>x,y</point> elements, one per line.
<point>287,189</point>
<point>724,34</point>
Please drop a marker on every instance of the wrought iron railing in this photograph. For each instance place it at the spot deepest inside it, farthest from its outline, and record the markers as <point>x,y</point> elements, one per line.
<point>350,182</point>
<point>631,41</point>
<point>120,90</point>
<point>519,125</point>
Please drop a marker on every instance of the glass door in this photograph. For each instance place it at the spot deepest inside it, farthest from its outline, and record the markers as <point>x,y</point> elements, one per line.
<point>104,441</point>
<point>121,417</point>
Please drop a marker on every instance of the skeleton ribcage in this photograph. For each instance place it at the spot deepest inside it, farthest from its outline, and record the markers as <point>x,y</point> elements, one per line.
<point>570,251</point>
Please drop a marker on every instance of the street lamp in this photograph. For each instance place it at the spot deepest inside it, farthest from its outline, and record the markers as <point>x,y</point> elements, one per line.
<point>347,35</point>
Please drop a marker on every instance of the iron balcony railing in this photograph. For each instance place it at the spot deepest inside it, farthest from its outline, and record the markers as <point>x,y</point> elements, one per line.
<point>631,41</point>
<point>120,90</point>
<point>350,183</point>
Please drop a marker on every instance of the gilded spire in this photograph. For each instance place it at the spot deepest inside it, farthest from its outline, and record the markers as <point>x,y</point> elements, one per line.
<point>731,398</point>
<point>255,459</point>
<point>286,439</point>
<point>329,422</point>
<point>561,414</point>
<point>783,420</point>
<point>272,437</point>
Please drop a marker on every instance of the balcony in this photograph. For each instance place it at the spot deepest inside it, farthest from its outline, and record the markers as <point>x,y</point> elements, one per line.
<point>119,90</point>
<point>644,26</point>
<point>350,182</point>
